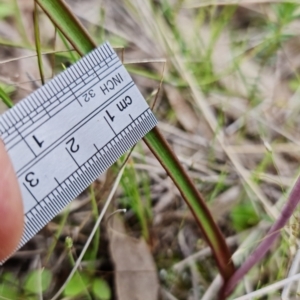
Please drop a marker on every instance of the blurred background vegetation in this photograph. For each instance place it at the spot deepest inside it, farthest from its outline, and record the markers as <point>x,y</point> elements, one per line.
<point>225,77</point>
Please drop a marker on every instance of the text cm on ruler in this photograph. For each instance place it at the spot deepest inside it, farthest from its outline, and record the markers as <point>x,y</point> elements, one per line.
<point>65,134</point>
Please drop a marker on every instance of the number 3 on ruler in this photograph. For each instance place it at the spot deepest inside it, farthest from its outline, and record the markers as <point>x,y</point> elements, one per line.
<point>31,180</point>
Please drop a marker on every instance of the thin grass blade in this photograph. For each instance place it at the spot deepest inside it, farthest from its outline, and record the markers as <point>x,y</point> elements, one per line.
<point>38,42</point>
<point>160,148</point>
<point>20,24</point>
<point>5,98</point>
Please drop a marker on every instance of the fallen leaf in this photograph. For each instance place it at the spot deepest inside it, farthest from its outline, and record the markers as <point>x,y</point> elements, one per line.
<point>135,270</point>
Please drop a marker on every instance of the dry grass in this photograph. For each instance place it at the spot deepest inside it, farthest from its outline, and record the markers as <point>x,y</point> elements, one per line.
<point>229,106</point>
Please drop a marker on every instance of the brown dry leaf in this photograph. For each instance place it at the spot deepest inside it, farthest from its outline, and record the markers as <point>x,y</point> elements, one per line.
<point>135,270</point>
<point>186,117</point>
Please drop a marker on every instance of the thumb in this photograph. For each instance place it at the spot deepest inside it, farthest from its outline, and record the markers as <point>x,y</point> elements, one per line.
<point>11,207</point>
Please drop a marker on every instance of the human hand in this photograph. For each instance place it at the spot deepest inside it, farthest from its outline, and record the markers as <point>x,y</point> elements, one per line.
<point>11,207</point>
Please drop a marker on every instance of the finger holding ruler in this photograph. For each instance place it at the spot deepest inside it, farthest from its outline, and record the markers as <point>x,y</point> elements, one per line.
<point>65,134</point>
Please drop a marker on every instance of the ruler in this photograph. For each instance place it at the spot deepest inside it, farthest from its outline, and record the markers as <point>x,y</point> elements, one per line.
<point>65,134</point>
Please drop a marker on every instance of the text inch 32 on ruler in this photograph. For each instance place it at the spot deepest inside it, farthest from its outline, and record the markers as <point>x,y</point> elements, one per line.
<point>65,134</point>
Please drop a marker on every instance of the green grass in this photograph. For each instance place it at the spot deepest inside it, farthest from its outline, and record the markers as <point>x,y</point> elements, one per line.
<point>133,198</point>
<point>192,69</point>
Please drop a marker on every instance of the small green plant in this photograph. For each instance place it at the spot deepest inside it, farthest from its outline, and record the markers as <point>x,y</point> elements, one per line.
<point>101,289</point>
<point>243,216</point>
<point>85,284</point>
<point>38,281</point>
<point>34,284</point>
<point>78,285</point>
<point>133,198</point>
<point>8,287</point>
<point>4,96</point>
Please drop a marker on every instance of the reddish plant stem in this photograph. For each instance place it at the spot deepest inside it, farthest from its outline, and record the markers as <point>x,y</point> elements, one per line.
<point>267,242</point>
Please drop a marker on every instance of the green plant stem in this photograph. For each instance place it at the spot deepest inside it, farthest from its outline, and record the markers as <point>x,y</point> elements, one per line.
<point>38,42</point>
<point>20,24</point>
<point>5,98</point>
<point>96,241</point>
<point>66,22</point>
<point>63,18</point>
<point>130,186</point>
<point>72,55</point>
<point>72,261</point>
<point>160,148</point>
<point>57,235</point>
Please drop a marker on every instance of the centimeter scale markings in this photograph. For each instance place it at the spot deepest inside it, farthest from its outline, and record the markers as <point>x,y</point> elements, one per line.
<point>65,134</point>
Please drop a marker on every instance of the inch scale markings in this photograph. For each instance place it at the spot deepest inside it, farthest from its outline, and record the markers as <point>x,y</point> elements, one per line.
<point>64,135</point>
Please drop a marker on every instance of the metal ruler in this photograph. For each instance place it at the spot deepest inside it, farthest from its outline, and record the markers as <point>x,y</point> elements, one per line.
<point>65,134</point>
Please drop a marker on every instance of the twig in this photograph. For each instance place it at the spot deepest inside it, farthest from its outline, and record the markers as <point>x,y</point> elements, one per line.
<point>293,270</point>
<point>270,288</point>
<point>202,254</point>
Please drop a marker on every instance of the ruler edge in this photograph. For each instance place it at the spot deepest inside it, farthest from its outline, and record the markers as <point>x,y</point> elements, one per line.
<point>32,97</point>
